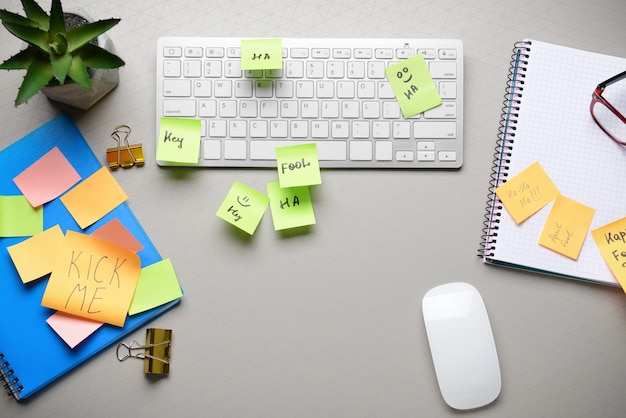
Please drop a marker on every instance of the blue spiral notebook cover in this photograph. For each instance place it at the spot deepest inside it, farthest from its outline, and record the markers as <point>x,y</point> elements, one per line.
<point>32,355</point>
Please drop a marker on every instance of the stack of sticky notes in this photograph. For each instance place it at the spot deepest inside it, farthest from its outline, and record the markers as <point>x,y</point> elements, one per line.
<point>289,198</point>
<point>94,278</point>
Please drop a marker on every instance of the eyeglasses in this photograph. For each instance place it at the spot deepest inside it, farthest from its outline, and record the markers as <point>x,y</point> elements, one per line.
<point>606,115</point>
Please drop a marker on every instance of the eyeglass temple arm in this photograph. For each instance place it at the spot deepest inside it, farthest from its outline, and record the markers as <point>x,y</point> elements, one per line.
<point>612,80</point>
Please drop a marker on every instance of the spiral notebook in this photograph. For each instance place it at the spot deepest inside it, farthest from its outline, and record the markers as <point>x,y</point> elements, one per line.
<point>32,355</point>
<point>546,119</point>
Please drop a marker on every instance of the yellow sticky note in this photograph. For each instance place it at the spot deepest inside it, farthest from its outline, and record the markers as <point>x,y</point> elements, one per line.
<point>298,165</point>
<point>35,257</point>
<point>527,192</point>
<point>611,241</point>
<point>566,228</point>
<point>179,140</point>
<point>243,207</point>
<point>291,206</point>
<point>261,54</point>
<point>93,198</point>
<point>413,86</point>
<point>18,218</point>
<point>157,285</point>
<point>93,279</point>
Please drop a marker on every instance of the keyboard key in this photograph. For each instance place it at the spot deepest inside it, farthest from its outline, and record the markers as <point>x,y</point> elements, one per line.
<point>361,150</point>
<point>177,88</point>
<point>326,150</point>
<point>434,129</point>
<point>235,149</point>
<point>179,108</point>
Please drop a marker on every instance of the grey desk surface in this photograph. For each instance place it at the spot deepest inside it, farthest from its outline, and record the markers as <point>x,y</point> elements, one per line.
<point>328,322</point>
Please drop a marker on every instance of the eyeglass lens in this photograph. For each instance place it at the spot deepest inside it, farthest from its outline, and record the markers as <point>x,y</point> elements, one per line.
<point>615,94</point>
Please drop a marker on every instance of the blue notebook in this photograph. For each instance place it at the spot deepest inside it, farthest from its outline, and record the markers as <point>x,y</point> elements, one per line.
<point>32,355</point>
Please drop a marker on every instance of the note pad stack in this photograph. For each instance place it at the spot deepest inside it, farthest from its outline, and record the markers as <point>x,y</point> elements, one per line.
<point>546,120</point>
<point>32,354</point>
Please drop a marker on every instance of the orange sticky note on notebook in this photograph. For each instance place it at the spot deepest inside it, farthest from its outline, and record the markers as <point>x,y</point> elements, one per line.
<point>35,257</point>
<point>115,232</point>
<point>611,241</point>
<point>93,279</point>
<point>566,228</point>
<point>527,192</point>
<point>93,198</point>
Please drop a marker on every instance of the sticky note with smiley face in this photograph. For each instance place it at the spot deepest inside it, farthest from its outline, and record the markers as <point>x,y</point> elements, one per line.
<point>413,86</point>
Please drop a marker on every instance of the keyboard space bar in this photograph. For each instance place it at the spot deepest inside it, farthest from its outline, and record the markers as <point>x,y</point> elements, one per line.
<point>327,150</point>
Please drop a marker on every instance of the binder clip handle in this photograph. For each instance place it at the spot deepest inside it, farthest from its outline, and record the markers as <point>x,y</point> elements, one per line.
<point>124,155</point>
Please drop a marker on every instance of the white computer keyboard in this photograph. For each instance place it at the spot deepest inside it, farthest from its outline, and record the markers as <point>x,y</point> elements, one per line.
<point>333,92</point>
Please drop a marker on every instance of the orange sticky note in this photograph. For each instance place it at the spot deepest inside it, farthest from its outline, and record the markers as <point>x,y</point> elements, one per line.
<point>47,178</point>
<point>527,192</point>
<point>72,329</point>
<point>35,257</point>
<point>93,278</point>
<point>115,232</point>
<point>566,228</point>
<point>94,197</point>
<point>611,241</point>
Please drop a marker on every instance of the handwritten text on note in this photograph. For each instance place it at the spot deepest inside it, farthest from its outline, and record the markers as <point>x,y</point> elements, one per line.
<point>566,228</point>
<point>527,192</point>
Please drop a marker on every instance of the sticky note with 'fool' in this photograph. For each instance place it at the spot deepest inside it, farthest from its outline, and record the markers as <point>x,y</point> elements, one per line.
<point>413,86</point>
<point>298,165</point>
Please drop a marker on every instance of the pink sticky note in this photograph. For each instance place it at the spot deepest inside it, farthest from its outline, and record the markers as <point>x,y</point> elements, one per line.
<point>114,231</point>
<point>47,178</point>
<point>72,329</point>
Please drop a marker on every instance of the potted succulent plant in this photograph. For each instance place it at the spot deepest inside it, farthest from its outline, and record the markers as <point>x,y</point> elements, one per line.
<point>73,65</point>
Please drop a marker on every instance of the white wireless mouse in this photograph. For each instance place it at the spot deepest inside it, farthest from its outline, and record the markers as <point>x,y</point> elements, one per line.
<point>462,346</point>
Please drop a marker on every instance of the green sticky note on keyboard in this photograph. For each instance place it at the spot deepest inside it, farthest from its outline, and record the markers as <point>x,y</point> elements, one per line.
<point>291,206</point>
<point>261,54</point>
<point>179,140</point>
<point>243,207</point>
<point>298,165</point>
<point>413,86</point>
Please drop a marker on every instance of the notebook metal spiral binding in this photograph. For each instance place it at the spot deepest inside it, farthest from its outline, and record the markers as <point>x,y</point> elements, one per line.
<point>504,145</point>
<point>11,382</point>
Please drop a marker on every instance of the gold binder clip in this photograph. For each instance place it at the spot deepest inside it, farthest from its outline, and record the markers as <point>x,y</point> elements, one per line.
<point>125,155</point>
<point>156,351</point>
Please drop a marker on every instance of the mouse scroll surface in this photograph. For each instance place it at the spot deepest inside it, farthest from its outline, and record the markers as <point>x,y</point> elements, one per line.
<point>462,345</point>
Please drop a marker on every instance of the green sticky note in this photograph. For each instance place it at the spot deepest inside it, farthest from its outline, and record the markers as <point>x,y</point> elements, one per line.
<point>291,206</point>
<point>156,286</point>
<point>413,86</point>
<point>18,218</point>
<point>243,207</point>
<point>179,140</point>
<point>261,54</point>
<point>298,165</point>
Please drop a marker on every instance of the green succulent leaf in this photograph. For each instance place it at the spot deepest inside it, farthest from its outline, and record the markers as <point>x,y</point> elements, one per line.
<point>36,14</point>
<point>21,60</point>
<point>60,66</point>
<point>10,17</point>
<point>96,57</point>
<point>38,75</point>
<point>57,21</point>
<point>78,72</point>
<point>82,35</point>
<point>29,34</point>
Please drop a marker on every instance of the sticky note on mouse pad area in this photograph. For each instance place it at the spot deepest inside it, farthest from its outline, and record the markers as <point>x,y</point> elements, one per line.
<point>179,140</point>
<point>413,86</point>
